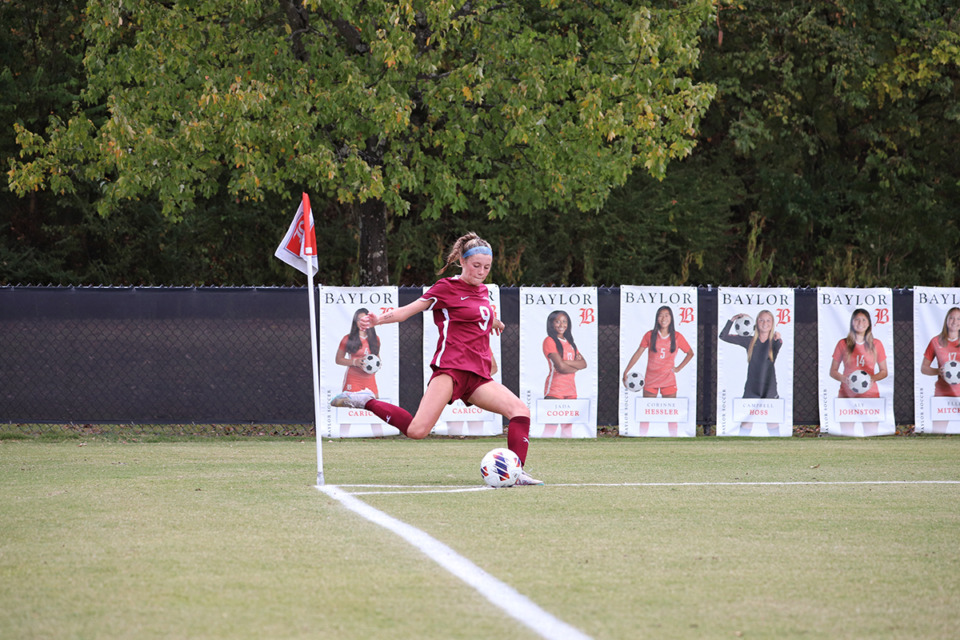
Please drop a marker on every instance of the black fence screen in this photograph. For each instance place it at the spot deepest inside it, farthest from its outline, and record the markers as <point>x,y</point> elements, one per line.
<point>242,355</point>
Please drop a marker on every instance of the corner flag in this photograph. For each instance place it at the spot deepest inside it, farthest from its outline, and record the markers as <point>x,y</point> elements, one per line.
<point>299,250</point>
<point>299,247</point>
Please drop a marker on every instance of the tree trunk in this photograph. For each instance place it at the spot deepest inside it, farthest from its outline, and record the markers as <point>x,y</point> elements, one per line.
<point>297,19</point>
<point>372,220</point>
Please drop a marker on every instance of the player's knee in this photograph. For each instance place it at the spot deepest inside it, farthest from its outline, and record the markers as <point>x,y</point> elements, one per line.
<point>520,410</point>
<point>418,431</point>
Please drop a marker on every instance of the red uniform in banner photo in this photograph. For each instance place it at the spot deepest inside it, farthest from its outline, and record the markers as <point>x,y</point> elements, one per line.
<point>356,378</point>
<point>860,358</point>
<point>464,319</point>
<point>558,385</point>
<point>660,364</point>
<point>942,354</point>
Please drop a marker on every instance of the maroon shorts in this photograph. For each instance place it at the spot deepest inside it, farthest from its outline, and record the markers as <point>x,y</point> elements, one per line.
<point>464,383</point>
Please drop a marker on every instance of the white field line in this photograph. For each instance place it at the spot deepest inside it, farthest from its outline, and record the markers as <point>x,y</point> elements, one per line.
<point>499,593</point>
<point>401,489</point>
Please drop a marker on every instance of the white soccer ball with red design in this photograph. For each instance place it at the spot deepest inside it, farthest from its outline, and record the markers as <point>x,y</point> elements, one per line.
<point>859,381</point>
<point>951,372</point>
<point>500,468</point>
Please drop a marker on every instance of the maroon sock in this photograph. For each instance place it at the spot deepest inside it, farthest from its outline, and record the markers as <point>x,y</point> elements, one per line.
<point>391,414</point>
<point>518,436</point>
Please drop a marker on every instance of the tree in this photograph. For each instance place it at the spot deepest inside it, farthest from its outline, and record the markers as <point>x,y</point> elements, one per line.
<point>386,107</point>
<point>842,116</point>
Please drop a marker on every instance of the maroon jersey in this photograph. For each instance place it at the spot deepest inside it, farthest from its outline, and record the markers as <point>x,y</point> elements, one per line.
<point>464,317</point>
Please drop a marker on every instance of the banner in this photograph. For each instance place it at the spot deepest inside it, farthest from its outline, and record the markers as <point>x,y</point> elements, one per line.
<point>658,370</point>
<point>755,362</point>
<point>855,348</point>
<point>352,360</point>
<point>458,419</point>
<point>936,362</point>
<point>558,360</point>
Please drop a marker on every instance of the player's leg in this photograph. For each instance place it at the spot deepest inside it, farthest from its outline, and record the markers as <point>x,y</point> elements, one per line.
<point>672,427</point>
<point>497,398</point>
<point>438,394</point>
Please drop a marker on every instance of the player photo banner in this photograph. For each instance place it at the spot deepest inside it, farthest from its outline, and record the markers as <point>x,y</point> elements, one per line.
<point>351,360</point>
<point>936,348</point>
<point>558,360</point>
<point>855,348</point>
<point>458,419</point>
<point>658,367</point>
<point>755,362</point>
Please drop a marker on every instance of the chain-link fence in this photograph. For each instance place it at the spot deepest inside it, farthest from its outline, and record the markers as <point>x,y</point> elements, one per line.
<point>237,360</point>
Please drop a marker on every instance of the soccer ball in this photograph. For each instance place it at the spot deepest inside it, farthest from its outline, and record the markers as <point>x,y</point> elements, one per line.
<point>742,326</point>
<point>634,381</point>
<point>951,372</point>
<point>859,382</point>
<point>370,363</point>
<point>500,468</point>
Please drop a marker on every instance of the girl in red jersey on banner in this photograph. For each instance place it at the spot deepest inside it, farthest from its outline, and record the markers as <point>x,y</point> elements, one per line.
<point>859,351</point>
<point>462,362</point>
<point>353,347</point>
<point>943,348</point>
<point>563,360</point>
<point>660,378</point>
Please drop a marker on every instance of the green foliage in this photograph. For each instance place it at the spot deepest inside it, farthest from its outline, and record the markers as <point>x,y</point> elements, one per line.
<point>497,107</point>
<point>167,143</point>
<point>843,119</point>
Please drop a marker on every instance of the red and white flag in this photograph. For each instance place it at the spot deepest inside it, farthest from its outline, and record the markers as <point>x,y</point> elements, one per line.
<point>299,246</point>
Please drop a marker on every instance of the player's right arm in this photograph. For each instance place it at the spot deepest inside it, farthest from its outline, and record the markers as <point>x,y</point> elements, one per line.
<point>633,361</point>
<point>395,315</point>
<point>835,371</point>
<point>926,366</point>
<point>342,358</point>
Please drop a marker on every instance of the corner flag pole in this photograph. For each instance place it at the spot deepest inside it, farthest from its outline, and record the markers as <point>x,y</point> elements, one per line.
<point>315,360</point>
<point>310,254</point>
<point>299,250</point>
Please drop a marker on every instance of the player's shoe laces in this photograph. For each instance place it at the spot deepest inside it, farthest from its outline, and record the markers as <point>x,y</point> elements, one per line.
<point>527,480</point>
<point>353,399</point>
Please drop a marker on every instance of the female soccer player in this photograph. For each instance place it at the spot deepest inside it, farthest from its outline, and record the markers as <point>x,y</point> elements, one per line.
<point>661,373</point>
<point>943,348</point>
<point>563,360</point>
<point>461,365</point>
<point>859,351</point>
<point>353,347</point>
<point>765,344</point>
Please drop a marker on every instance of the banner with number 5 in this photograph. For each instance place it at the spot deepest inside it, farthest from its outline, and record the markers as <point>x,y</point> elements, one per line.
<point>658,367</point>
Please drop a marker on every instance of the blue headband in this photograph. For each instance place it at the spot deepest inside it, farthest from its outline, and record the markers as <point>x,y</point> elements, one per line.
<point>481,249</point>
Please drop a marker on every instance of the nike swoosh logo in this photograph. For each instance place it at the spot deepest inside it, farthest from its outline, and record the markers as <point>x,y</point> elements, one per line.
<point>464,297</point>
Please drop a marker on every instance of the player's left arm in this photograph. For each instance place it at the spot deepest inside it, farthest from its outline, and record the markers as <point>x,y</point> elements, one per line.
<point>579,363</point>
<point>684,362</point>
<point>881,371</point>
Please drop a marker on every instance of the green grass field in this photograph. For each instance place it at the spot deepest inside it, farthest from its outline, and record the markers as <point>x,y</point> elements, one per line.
<point>230,539</point>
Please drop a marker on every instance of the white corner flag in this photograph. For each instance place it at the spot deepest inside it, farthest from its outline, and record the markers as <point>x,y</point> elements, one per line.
<point>299,246</point>
<point>299,250</point>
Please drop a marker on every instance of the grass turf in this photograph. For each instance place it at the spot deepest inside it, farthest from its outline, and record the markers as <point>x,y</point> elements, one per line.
<point>222,539</point>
